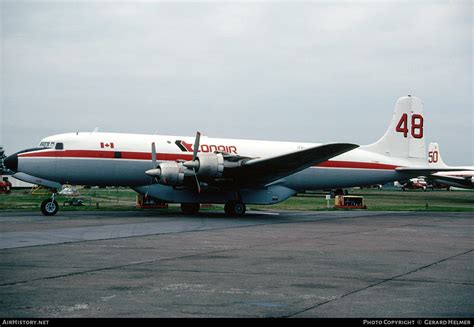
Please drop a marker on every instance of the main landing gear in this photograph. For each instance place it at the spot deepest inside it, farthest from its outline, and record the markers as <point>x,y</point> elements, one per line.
<point>232,208</point>
<point>50,207</point>
<point>235,208</point>
<point>190,208</point>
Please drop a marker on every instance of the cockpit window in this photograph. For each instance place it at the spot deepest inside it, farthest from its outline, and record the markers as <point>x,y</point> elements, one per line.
<point>59,146</point>
<point>48,145</point>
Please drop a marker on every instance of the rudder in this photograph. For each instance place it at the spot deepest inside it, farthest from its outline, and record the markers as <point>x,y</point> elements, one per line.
<point>405,136</point>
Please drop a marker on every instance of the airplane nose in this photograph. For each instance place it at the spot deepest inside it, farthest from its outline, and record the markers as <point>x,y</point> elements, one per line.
<point>11,162</point>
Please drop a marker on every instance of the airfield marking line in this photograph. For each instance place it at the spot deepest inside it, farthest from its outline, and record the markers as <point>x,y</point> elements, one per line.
<point>250,246</point>
<point>157,260</point>
<point>106,268</point>
<point>435,281</point>
<point>377,284</point>
<point>196,229</point>
<point>194,255</point>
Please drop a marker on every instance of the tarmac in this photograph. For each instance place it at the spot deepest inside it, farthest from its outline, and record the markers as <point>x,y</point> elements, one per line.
<point>267,264</point>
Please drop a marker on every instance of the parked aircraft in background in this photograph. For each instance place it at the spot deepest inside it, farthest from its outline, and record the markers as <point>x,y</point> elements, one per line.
<point>228,171</point>
<point>412,183</point>
<point>2,157</point>
<point>462,177</point>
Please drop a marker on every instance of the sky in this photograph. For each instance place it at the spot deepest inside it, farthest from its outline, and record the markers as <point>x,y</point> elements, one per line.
<point>320,71</point>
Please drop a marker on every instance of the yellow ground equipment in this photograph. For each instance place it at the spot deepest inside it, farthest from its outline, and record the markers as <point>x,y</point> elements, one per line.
<point>349,202</point>
<point>144,202</point>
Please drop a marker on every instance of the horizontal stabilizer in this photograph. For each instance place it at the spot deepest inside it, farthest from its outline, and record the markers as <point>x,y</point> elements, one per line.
<point>462,181</point>
<point>423,171</point>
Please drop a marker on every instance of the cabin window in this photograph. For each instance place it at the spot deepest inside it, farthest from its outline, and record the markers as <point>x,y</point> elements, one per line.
<point>117,155</point>
<point>59,146</point>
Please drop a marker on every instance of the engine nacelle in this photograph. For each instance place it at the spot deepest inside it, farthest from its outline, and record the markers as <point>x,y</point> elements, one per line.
<point>172,173</point>
<point>205,168</point>
<point>211,165</point>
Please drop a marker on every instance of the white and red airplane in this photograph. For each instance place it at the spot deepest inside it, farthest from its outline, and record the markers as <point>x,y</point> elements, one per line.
<point>224,171</point>
<point>412,183</point>
<point>461,177</point>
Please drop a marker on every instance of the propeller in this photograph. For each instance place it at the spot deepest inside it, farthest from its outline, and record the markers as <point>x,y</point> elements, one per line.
<point>153,154</point>
<point>194,163</point>
<point>155,171</point>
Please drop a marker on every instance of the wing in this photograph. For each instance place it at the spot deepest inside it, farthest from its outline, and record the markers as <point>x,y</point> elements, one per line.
<point>458,180</point>
<point>261,171</point>
<point>423,171</point>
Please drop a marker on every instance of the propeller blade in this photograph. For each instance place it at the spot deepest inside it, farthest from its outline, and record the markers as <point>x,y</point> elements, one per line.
<point>197,181</point>
<point>153,154</point>
<point>196,145</point>
<point>154,172</point>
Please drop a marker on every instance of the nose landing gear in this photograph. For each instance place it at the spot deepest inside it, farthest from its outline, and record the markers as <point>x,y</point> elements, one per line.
<point>50,207</point>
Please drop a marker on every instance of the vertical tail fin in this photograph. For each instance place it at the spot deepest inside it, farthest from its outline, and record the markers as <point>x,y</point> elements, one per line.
<point>405,136</point>
<point>434,156</point>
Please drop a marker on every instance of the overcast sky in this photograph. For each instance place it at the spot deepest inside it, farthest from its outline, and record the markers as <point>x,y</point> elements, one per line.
<point>296,71</point>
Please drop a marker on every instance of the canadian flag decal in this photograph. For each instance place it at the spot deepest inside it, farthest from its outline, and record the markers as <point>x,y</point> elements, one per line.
<point>107,145</point>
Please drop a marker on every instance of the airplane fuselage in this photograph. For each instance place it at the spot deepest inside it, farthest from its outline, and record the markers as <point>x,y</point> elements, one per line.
<point>122,159</point>
<point>234,172</point>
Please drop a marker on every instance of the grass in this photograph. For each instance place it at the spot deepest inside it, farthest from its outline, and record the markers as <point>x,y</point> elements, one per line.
<point>387,200</point>
<point>93,199</point>
<point>376,200</point>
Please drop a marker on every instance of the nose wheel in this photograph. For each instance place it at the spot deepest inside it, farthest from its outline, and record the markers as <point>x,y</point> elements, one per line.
<point>49,207</point>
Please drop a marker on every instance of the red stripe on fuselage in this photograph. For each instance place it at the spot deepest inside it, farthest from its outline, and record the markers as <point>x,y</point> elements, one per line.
<point>94,154</point>
<point>356,164</point>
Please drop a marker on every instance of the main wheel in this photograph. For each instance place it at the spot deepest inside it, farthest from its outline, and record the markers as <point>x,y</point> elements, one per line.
<point>190,208</point>
<point>49,207</point>
<point>235,208</point>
